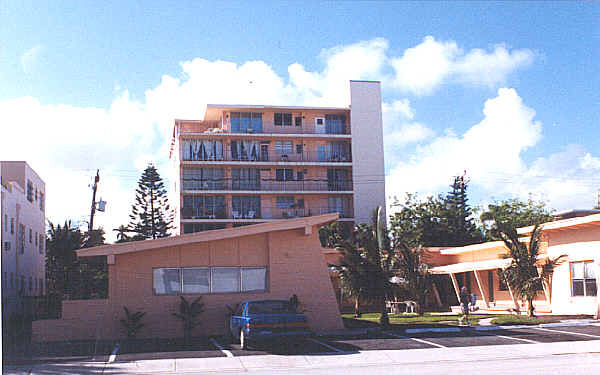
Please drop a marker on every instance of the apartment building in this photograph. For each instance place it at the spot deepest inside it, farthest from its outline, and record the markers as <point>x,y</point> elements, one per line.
<point>22,234</point>
<point>245,164</point>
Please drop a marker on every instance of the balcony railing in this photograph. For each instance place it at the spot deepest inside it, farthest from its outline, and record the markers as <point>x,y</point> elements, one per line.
<point>190,183</point>
<point>270,128</point>
<point>262,213</point>
<point>304,156</point>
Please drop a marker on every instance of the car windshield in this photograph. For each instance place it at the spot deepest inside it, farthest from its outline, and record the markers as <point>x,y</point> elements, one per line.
<point>270,307</point>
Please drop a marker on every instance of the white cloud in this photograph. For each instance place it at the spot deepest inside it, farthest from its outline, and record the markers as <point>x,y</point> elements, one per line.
<point>492,154</point>
<point>423,68</point>
<point>65,144</point>
<point>30,57</point>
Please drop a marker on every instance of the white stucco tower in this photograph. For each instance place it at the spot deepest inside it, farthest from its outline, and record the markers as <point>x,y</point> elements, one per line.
<point>368,170</point>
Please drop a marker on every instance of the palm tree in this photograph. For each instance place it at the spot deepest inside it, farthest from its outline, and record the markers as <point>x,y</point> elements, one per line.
<point>188,314</point>
<point>522,273</point>
<point>122,231</point>
<point>367,266</point>
<point>413,272</point>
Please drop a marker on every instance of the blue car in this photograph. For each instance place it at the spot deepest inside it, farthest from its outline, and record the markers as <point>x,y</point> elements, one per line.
<point>261,320</point>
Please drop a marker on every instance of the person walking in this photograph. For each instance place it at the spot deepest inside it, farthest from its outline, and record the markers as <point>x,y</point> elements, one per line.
<point>465,298</point>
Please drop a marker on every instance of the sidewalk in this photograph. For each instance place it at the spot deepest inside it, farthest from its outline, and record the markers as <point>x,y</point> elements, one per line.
<point>322,361</point>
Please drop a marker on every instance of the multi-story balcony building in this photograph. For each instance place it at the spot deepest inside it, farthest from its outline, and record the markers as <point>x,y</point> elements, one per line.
<point>22,235</point>
<point>247,164</point>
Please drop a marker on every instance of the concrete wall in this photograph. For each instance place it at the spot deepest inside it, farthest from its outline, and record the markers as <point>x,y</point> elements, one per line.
<point>295,264</point>
<point>368,169</point>
<point>578,245</point>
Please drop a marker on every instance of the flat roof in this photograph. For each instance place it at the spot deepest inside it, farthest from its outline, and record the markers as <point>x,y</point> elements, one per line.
<point>252,106</point>
<point>564,224</point>
<point>212,235</point>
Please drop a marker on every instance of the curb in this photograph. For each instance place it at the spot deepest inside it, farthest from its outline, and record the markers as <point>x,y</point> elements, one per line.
<point>497,327</point>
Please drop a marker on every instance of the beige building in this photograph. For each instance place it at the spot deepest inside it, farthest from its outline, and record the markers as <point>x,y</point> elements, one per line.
<point>572,288</point>
<point>22,235</point>
<point>245,164</point>
<point>265,261</point>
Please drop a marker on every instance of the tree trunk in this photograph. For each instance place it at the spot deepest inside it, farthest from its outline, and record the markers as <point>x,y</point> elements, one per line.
<point>357,313</point>
<point>384,321</point>
<point>530,306</point>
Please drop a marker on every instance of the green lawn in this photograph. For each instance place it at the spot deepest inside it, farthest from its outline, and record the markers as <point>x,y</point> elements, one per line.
<point>403,319</point>
<point>506,320</point>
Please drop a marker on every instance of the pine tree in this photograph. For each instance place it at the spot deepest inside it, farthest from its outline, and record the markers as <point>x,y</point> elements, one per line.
<point>461,230</point>
<point>151,216</point>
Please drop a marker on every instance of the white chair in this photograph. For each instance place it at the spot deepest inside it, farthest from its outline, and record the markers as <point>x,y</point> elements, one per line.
<point>236,214</point>
<point>250,215</point>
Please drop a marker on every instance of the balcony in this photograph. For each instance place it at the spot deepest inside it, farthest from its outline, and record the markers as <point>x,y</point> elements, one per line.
<point>260,213</point>
<point>266,185</point>
<point>257,156</point>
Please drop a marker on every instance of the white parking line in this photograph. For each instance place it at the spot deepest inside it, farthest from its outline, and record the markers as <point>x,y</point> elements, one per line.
<point>113,354</point>
<point>516,338</point>
<point>569,333</point>
<point>221,348</point>
<point>416,339</point>
<point>326,345</point>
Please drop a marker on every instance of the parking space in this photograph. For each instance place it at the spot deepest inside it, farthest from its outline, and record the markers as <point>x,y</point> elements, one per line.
<point>298,346</point>
<point>374,341</point>
<point>466,337</point>
<point>591,330</point>
<point>545,335</point>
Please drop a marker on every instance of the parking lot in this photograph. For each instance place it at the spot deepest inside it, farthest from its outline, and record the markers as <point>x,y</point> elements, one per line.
<point>349,348</point>
<point>384,340</point>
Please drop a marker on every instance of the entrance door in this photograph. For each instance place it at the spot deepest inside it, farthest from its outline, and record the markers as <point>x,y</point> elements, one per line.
<point>491,285</point>
<point>264,152</point>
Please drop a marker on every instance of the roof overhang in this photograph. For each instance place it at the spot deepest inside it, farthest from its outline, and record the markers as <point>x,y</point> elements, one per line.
<point>213,111</point>
<point>576,222</point>
<point>491,264</point>
<point>129,247</point>
<point>476,247</point>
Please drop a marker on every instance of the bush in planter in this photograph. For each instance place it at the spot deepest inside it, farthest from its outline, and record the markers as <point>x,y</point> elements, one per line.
<point>188,314</point>
<point>132,322</point>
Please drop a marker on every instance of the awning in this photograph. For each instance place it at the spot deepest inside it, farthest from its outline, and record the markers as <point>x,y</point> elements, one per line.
<point>491,264</point>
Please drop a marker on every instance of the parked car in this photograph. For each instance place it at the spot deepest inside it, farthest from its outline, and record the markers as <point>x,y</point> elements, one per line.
<point>260,320</point>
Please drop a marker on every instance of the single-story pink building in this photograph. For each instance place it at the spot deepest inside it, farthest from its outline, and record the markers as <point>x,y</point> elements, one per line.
<point>264,261</point>
<point>572,289</point>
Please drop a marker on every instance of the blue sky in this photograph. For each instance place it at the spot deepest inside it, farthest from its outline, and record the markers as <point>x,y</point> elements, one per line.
<point>97,85</point>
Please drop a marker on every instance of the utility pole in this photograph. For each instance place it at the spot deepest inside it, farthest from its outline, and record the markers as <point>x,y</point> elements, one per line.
<point>94,188</point>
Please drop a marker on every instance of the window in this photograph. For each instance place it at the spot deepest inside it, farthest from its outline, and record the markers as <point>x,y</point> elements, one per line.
<point>30,235</point>
<point>245,179</point>
<point>41,244</point>
<point>245,207</point>
<point>41,286</point>
<point>298,149</point>
<point>196,280</point>
<point>283,119</point>
<point>36,238</point>
<point>167,281</point>
<point>6,246</point>
<point>246,122</point>
<point>5,223</point>
<point>21,239</point>
<point>298,120</point>
<point>300,203</point>
<point>12,281</point>
<point>583,279</point>
<point>254,279</point>
<point>285,202</point>
<point>335,124</point>
<point>201,149</point>
<point>284,174</point>
<point>29,191</point>
<point>41,201</point>
<point>284,147</point>
<point>208,207</point>
<point>195,228</point>
<point>30,284</point>
<point>225,279</point>
<point>12,225</point>
<point>205,280</point>
<point>299,176</point>
<point>203,178</point>
<point>337,179</point>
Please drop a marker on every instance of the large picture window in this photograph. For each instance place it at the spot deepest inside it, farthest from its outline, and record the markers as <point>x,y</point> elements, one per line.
<point>583,279</point>
<point>246,122</point>
<point>283,119</point>
<point>206,280</point>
